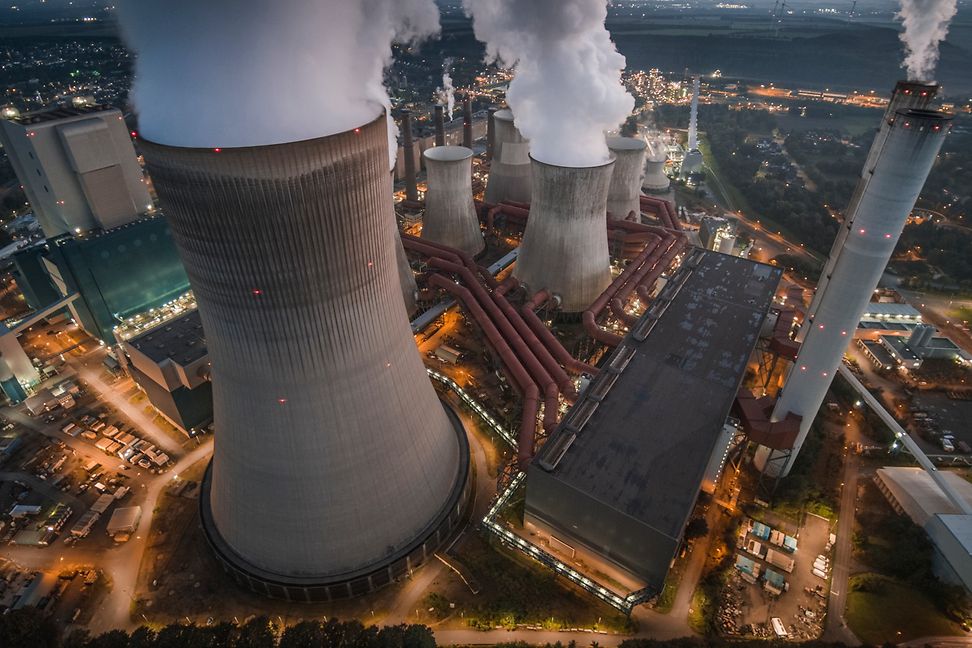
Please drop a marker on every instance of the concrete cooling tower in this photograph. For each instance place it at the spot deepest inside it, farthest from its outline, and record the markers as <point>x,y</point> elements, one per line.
<point>655,180</point>
<point>565,247</point>
<point>509,172</point>
<point>897,176</point>
<point>450,214</point>
<point>336,468</point>
<point>625,188</point>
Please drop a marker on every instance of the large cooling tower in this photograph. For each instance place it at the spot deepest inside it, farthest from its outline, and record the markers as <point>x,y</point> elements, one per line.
<point>336,468</point>
<point>509,171</point>
<point>625,188</point>
<point>450,214</point>
<point>906,95</point>
<point>565,248</point>
<point>655,180</point>
<point>900,168</point>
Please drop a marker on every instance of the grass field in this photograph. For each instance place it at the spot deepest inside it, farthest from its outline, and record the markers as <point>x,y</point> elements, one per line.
<point>894,614</point>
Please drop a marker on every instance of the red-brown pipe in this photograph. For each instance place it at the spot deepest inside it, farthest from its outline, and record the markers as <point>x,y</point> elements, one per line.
<point>550,340</point>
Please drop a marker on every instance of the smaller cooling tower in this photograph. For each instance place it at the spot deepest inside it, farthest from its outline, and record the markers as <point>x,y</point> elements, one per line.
<point>450,215</point>
<point>655,158</point>
<point>565,247</point>
<point>509,173</point>
<point>625,188</point>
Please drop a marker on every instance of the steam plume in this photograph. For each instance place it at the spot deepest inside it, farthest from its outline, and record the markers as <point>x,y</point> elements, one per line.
<point>925,26</point>
<point>567,88</point>
<point>226,73</point>
<point>447,88</point>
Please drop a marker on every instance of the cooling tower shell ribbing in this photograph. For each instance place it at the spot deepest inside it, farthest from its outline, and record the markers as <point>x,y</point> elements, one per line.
<point>336,468</point>
<point>655,180</point>
<point>901,167</point>
<point>450,214</point>
<point>509,172</point>
<point>565,247</point>
<point>625,189</point>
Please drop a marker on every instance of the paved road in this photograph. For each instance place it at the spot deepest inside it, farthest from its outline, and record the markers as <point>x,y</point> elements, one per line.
<point>939,642</point>
<point>836,627</point>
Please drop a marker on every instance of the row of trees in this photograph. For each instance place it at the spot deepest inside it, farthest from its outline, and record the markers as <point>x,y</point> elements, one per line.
<point>29,628</point>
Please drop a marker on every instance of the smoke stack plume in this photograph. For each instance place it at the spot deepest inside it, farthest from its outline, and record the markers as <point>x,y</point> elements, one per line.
<point>208,72</point>
<point>448,90</point>
<point>567,88</point>
<point>925,27</point>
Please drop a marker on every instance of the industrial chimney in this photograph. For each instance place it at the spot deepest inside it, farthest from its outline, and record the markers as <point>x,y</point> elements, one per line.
<point>439,118</point>
<point>467,117</point>
<point>509,172</point>
<point>408,156</point>
<point>450,214</point>
<point>490,132</point>
<point>565,247</point>
<point>336,469</point>
<point>906,95</point>
<point>692,162</point>
<point>913,140</point>
<point>655,179</point>
<point>625,188</point>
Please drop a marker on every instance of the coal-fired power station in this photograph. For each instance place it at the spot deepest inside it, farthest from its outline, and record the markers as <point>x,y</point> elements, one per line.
<point>629,162</point>
<point>565,248</point>
<point>879,209</point>
<point>509,173</point>
<point>336,468</point>
<point>450,214</point>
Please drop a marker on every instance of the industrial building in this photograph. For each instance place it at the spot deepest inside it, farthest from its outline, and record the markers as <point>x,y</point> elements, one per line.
<point>114,273</point>
<point>717,234</point>
<point>913,492</point>
<point>621,474</point>
<point>170,363</point>
<point>336,469</point>
<point>77,166</point>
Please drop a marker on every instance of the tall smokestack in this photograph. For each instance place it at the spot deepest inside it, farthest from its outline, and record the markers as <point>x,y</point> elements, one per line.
<point>629,160</point>
<point>335,466</point>
<point>906,95</point>
<point>408,156</point>
<point>467,138</point>
<point>490,132</point>
<point>900,169</point>
<point>439,125</point>
<point>509,173</point>
<point>655,179</point>
<point>693,128</point>
<point>565,248</point>
<point>450,214</point>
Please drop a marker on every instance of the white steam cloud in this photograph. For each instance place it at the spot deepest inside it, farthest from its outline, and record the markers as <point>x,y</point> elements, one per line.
<point>567,90</point>
<point>448,91</point>
<point>226,73</point>
<point>925,27</point>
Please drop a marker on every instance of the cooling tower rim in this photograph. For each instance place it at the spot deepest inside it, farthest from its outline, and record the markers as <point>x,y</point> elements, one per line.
<point>504,114</point>
<point>907,83</point>
<point>542,164</point>
<point>626,144</point>
<point>265,147</point>
<point>447,153</point>
<point>459,497</point>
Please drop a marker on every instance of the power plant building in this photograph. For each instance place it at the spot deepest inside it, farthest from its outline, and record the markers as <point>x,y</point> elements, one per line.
<point>171,365</point>
<point>620,476</point>
<point>336,468</point>
<point>77,166</point>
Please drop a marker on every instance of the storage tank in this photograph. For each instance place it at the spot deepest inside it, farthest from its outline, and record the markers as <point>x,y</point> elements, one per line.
<point>509,172</point>
<point>450,214</point>
<point>565,247</point>
<point>625,188</point>
<point>900,168</point>
<point>336,468</point>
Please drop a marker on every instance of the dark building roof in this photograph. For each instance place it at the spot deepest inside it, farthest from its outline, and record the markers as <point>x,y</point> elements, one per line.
<point>59,112</point>
<point>180,339</point>
<point>663,398</point>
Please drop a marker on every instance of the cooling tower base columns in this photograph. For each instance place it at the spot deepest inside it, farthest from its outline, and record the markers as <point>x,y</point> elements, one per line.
<point>311,589</point>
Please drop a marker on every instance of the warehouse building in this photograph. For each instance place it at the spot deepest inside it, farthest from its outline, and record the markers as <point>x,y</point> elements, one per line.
<point>620,476</point>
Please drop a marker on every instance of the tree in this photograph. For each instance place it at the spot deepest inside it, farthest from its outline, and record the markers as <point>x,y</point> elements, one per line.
<point>306,634</point>
<point>27,628</point>
<point>696,528</point>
